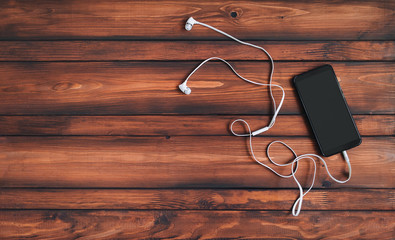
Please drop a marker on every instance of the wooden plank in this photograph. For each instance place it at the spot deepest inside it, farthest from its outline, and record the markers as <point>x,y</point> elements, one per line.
<point>187,199</point>
<point>124,88</point>
<point>348,20</point>
<point>195,50</point>
<point>195,224</point>
<point>168,125</point>
<point>180,162</point>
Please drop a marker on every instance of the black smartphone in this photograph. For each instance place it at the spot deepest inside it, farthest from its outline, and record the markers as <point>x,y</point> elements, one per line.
<point>327,110</point>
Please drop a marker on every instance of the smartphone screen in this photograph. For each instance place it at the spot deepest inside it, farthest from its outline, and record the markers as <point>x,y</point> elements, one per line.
<point>327,110</point>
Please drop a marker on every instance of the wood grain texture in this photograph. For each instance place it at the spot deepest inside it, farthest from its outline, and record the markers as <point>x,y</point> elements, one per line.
<point>195,50</point>
<point>123,88</point>
<point>180,162</point>
<point>168,125</point>
<point>97,142</point>
<point>195,224</point>
<point>348,20</point>
<point>188,199</point>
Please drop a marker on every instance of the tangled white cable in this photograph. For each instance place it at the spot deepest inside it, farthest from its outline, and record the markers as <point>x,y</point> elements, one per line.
<point>294,163</point>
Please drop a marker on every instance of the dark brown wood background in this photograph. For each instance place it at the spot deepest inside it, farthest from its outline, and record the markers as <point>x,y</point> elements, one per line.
<point>97,141</point>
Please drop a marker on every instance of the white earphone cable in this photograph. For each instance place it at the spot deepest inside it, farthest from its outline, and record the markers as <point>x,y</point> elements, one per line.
<point>294,163</point>
<point>270,85</point>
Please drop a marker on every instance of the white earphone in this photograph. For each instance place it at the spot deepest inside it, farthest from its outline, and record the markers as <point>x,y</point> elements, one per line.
<point>189,24</point>
<point>185,89</point>
<point>294,163</point>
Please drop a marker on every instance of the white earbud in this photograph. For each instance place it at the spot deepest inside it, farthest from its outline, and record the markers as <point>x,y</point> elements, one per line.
<point>189,24</point>
<point>184,88</point>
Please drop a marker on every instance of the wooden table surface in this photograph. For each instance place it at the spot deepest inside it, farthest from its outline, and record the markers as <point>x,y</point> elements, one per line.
<point>97,142</point>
